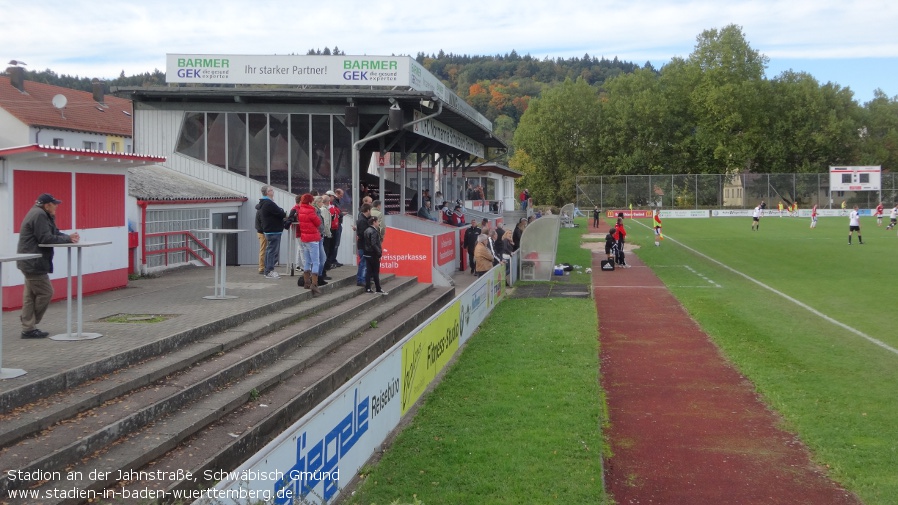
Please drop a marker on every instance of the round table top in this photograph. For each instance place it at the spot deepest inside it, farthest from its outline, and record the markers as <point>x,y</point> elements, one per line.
<point>79,244</point>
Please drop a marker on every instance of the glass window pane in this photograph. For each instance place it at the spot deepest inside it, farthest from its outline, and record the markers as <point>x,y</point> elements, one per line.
<point>217,142</point>
<point>192,139</point>
<point>258,150</point>
<point>278,153</point>
<point>299,153</point>
<point>321,150</point>
<point>237,142</point>
<point>342,155</point>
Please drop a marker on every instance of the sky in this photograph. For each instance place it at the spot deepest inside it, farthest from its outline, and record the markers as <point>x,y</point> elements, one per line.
<point>852,43</point>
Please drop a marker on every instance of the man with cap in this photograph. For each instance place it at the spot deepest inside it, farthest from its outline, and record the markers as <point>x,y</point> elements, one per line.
<point>39,227</point>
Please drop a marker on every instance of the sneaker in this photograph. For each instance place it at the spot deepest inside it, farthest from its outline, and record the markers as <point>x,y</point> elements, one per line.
<point>338,264</point>
<point>35,333</point>
<point>261,272</point>
<point>381,292</point>
<point>369,291</point>
<point>273,275</point>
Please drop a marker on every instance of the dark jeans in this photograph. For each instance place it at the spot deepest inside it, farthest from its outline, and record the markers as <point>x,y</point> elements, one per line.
<point>273,252</point>
<point>372,271</point>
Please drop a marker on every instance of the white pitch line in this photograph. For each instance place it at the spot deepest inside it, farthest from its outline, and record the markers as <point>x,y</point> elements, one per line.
<point>801,304</point>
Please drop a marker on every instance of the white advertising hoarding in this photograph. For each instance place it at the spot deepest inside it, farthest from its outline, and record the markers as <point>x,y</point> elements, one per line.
<point>311,461</point>
<point>314,70</point>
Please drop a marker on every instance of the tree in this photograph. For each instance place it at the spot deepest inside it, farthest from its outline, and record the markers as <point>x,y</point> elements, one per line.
<point>557,136</point>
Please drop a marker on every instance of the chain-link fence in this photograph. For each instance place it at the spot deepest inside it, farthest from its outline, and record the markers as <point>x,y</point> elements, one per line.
<point>713,191</point>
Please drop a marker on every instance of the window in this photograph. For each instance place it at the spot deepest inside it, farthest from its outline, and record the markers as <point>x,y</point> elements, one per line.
<point>92,146</point>
<point>58,143</point>
<point>114,147</point>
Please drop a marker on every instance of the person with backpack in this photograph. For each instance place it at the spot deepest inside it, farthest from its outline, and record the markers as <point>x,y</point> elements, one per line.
<point>271,217</point>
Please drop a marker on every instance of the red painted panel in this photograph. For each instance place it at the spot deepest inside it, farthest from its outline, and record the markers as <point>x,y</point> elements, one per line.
<point>407,254</point>
<point>30,184</point>
<point>93,283</point>
<point>101,200</point>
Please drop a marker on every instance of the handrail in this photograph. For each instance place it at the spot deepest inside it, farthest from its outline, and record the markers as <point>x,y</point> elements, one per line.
<point>186,248</point>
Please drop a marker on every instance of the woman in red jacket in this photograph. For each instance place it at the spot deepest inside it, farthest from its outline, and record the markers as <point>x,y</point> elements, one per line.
<point>309,241</point>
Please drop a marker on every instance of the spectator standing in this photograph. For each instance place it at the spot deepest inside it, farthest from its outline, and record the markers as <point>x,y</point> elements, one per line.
<point>330,249</point>
<point>494,245</point>
<point>272,226</point>
<point>321,207</point>
<point>373,251</point>
<point>263,242</point>
<point>483,258</point>
<point>309,233</point>
<point>338,234</point>
<point>854,225</point>
<point>381,222</point>
<point>518,233</point>
<point>361,225</point>
<point>621,237</point>
<point>39,227</point>
<point>595,216</point>
<point>471,237</point>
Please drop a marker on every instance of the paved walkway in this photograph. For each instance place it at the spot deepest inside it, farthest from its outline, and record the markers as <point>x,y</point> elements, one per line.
<point>178,293</point>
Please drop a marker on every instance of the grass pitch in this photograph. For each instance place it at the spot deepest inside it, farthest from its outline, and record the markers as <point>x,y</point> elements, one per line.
<point>834,387</point>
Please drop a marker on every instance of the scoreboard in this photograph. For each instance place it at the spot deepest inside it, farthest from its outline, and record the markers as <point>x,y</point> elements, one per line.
<point>866,178</point>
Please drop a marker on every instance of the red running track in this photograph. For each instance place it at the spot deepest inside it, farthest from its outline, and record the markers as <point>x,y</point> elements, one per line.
<point>685,427</point>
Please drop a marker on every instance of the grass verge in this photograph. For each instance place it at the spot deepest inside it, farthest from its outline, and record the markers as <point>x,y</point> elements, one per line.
<point>515,420</point>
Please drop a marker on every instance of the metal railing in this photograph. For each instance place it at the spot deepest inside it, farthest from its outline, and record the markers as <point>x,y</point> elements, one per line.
<point>187,246</point>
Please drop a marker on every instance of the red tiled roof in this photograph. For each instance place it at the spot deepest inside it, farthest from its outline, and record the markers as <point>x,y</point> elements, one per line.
<point>70,154</point>
<point>81,113</point>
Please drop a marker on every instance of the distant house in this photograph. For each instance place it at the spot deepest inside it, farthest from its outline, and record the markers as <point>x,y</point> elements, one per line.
<point>38,113</point>
<point>77,146</point>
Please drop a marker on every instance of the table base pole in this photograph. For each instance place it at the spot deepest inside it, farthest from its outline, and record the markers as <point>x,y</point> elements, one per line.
<point>11,373</point>
<point>83,336</point>
<point>219,297</point>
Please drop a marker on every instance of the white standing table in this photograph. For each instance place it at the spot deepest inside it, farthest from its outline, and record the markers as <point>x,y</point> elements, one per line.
<point>9,373</point>
<point>219,249</point>
<point>68,335</point>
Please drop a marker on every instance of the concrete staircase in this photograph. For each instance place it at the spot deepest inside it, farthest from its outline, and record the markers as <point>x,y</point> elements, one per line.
<point>205,404</point>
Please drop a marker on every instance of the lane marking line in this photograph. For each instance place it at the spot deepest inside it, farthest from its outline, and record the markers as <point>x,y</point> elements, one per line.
<point>801,304</point>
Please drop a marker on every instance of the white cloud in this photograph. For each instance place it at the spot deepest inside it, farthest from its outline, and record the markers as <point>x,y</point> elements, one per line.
<point>90,39</point>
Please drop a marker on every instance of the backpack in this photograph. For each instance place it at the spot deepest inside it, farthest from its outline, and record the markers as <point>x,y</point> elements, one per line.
<point>290,220</point>
<point>336,217</point>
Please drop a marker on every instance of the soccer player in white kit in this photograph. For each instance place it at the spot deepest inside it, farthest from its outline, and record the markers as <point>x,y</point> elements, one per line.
<point>854,225</point>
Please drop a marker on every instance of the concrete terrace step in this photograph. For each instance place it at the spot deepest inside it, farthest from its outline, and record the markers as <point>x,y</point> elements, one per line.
<point>132,412</point>
<point>160,360</point>
<point>62,380</point>
<point>225,444</point>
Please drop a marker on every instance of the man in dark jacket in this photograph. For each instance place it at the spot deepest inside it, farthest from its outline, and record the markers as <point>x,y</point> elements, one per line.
<point>361,225</point>
<point>272,218</point>
<point>373,250</point>
<point>471,235</point>
<point>39,227</point>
